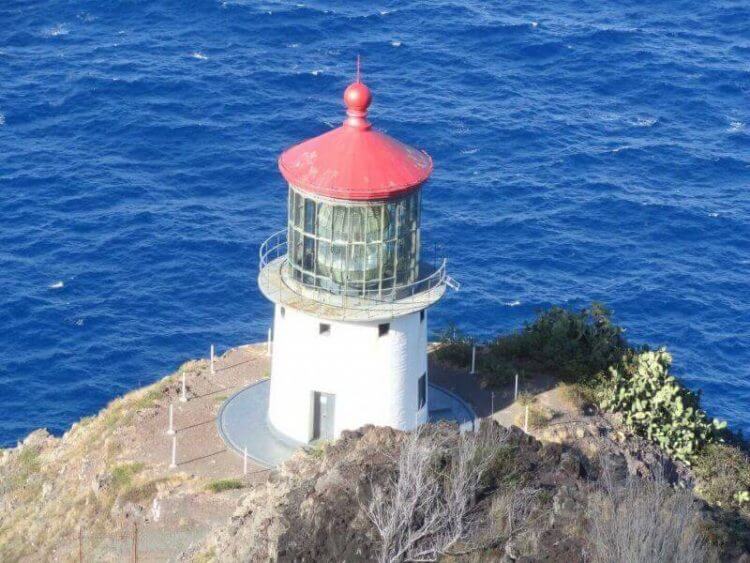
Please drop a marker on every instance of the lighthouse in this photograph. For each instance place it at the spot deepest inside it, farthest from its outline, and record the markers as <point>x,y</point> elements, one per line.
<point>349,284</point>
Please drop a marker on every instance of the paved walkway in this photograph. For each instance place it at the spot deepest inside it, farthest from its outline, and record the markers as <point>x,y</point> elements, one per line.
<point>243,423</point>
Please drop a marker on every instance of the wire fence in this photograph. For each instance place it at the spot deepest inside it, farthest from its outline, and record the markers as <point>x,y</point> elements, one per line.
<point>129,542</point>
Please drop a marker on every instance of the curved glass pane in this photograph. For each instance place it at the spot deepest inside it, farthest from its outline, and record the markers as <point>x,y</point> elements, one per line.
<point>358,248</point>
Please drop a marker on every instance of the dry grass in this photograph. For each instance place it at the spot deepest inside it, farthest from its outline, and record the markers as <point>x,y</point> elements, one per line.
<point>579,397</point>
<point>648,522</point>
<point>539,417</point>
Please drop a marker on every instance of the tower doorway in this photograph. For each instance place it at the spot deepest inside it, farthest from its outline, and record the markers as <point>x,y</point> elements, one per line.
<point>324,405</point>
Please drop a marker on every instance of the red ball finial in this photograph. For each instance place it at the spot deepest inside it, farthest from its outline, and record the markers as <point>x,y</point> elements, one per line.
<point>357,97</point>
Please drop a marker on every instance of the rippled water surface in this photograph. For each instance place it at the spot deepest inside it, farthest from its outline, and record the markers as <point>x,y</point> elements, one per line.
<point>583,151</point>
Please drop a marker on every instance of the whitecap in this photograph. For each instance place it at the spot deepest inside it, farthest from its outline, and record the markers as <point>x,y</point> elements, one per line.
<point>714,214</point>
<point>198,55</point>
<point>470,151</point>
<point>643,121</point>
<point>512,303</point>
<point>396,43</point>
<point>2,119</point>
<point>315,72</point>
<point>57,285</point>
<point>384,12</point>
<point>79,322</point>
<point>736,126</point>
<point>293,45</point>
<point>56,30</point>
<point>534,25</point>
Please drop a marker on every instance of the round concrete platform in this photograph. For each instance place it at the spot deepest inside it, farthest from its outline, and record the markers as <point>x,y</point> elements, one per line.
<point>243,423</point>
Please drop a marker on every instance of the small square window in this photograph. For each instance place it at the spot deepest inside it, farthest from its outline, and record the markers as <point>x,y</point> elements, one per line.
<point>325,329</point>
<point>383,329</point>
<point>421,316</point>
<point>422,391</point>
<point>283,312</point>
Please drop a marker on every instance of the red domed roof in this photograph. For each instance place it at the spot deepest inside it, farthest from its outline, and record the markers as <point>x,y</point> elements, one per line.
<point>355,162</point>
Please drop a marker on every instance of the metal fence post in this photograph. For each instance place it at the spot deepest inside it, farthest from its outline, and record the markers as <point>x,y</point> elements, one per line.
<point>173,465</point>
<point>212,359</point>
<point>135,542</point>
<point>170,430</point>
<point>526,420</point>
<point>268,343</point>
<point>183,395</point>
<point>492,399</point>
<point>473,360</point>
<point>515,394</point>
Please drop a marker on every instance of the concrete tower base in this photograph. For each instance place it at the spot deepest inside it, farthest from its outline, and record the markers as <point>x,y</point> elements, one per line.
<point>328,376</point>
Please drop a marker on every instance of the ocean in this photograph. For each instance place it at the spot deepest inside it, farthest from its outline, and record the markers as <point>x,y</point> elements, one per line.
<point>583,151</point>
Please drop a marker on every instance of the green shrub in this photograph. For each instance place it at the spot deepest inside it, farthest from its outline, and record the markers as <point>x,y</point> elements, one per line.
<point>655,405</point>
<point>723,477</point>
<point>224,485</point>
<point>455,347</point>
<point>573,345</point>
<point>122,475</point>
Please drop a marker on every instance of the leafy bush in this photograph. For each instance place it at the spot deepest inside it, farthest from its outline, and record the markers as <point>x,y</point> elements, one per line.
<point>573,345</point>
<point>655,405</point>
<point>455,347</point>
<point>224,485</point>
<point>723,474</point>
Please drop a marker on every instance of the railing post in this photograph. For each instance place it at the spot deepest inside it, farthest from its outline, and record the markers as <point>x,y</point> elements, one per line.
<point>170,430</point>
<point>212,359</point>
<point>183,395</point>
<point>473,359</point>
<point>515,394</point>
<point>173,465</point>
<point>135,542</point>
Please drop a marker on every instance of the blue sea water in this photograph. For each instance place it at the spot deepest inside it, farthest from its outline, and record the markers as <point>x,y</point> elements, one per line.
<point>583,151</point>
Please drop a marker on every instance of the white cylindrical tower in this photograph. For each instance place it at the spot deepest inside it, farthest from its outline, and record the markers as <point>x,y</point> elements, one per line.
<point>349,288</point>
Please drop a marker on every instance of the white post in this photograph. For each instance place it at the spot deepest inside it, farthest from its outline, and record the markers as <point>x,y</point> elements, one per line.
<point>170,431</point>
<point>268,344</point>
<point>515,394</point>
<point>492,412</point>
<point>473,360</point>
<point>244,462</point>
<point>526,420</point>
<point>183,395</point>
<point>173,465</point>
<point>212,359</point>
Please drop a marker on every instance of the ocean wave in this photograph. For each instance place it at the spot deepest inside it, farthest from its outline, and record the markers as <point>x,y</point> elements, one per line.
<point>736,127</point>
<point>56,30</point>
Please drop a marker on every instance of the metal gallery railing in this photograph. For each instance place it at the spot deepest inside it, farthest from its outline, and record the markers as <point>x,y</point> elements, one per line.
<point>274,251</point>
